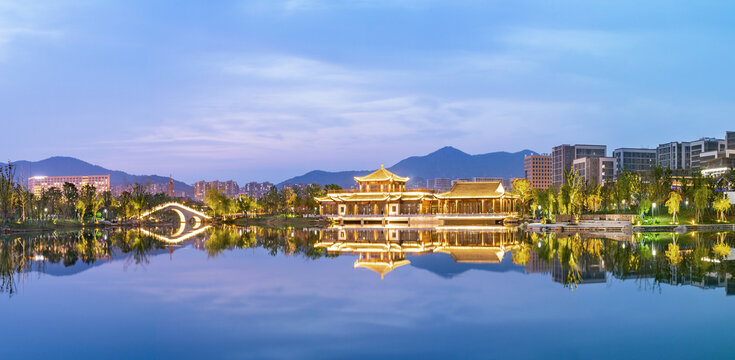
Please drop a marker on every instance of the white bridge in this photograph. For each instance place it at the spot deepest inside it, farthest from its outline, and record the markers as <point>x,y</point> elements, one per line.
<point>187,215</point>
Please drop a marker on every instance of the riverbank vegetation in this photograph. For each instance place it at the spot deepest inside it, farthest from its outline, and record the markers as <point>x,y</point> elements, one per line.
<point>657,198</point>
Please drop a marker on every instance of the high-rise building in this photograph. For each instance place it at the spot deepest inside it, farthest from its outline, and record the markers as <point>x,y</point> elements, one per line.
<point>718,163</point>
<point>634,160</point>
<point>704,145</point>
<point>537,170</point>
<point>256,190</point>
<point>442,184</point>
<point>228,188</point>
<point>688,155</point>
<point>37,184</point>
<point>564,155</point>
<point>595,170</point>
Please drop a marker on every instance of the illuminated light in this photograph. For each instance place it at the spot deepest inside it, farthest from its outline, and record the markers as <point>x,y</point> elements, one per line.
<point>653,252</point>
<point>175,240</point>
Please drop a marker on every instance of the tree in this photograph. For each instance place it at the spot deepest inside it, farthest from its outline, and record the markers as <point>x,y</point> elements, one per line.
<point>701,200</point>
<point>220,203</point>
<point>81,208</point>
<point>53,197</point>
<point>139,199</point>
<point>522,188</point>
<point>644,206</point>
<point>574,187</point>
<point>722,205</point>
<point>673,204</point>
<point>593,200</point>
<point>71,195</point>
<point>246,204</point>
<point>7,190</point>
<point>332,187</point>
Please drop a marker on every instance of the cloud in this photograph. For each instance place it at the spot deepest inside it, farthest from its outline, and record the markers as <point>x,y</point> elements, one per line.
<point>575,41</point>
<point>293,6</point>
<point>298,111</point>
<point>20,21</point>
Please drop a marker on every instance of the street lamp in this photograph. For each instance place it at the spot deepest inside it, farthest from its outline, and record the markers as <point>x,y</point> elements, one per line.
<point>653,207</point>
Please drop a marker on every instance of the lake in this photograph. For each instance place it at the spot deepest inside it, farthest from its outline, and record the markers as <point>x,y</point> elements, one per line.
<point>485,293</point>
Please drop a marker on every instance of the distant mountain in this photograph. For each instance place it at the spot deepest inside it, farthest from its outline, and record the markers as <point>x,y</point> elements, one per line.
<point>445,266</point>
<point>62,165</point>
<point>447,162</point>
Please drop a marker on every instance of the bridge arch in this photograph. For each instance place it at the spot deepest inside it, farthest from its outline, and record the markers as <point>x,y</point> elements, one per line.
<point>185,213</point>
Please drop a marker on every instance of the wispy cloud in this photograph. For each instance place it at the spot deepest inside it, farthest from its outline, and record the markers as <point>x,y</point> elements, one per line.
<point>574,42</point>
<point>21,21</point>
<point>329,112</point>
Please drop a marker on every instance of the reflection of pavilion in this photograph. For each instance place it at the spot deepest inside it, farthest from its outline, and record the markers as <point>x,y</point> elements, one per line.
<point>383,249</point>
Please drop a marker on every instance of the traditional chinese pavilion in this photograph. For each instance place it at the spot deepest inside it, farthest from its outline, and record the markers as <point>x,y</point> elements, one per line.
<point>382,197</point>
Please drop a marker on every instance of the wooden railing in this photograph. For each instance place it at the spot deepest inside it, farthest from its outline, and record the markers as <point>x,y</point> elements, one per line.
<point>357,191</point>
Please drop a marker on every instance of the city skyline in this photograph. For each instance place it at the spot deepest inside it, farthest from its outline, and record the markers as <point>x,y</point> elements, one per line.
<point>264,90</point>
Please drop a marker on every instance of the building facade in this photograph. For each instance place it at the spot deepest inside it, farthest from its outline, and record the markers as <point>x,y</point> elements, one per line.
<point>537,170</point>
<point>633,160</point>
<point>38,184</point>
<point>595,170</point>
<point>256,190</point>
<point>563,156</point>
<point>229,188</point>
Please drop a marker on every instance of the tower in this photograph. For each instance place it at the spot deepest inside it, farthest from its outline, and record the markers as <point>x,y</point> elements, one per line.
<point>170,186</point>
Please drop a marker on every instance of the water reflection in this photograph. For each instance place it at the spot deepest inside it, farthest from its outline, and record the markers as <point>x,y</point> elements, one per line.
<point>704,260</point>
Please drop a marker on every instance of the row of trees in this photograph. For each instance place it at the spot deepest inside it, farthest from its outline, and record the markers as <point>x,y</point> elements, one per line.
<point>287,199</point>
<point>629,193</point>
<point>17,203</point>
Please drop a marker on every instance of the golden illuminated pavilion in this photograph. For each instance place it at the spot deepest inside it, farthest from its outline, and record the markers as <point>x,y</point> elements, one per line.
<point>382,196</point>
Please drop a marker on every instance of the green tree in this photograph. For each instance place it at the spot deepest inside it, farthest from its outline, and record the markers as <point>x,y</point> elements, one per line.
<point>574,185</point>
<point>81,208</point>
<point>673,204</point>
<point>701,200</point>
<point>644,207</point>
<point>522,188</point>
<point>71,195</point>
<point>7,190</point>
<point>722,206</point>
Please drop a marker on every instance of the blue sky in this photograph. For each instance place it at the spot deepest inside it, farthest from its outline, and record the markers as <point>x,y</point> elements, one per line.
<point>265,90</point>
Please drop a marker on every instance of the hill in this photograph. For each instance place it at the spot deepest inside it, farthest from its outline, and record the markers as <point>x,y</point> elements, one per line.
<point>447,162</point>
<point>62,165</point>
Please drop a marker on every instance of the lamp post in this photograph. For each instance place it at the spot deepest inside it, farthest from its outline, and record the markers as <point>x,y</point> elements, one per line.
<point>653,207</point>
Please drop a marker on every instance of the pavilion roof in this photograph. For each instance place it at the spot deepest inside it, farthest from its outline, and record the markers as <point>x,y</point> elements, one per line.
<point>474,190</point>
<point>381,267</point>
<point>381,175</point>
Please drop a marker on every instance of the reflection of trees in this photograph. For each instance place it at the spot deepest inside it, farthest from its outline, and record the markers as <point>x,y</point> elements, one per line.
<point>227,238</point>
<point>691,258</point>
<point>289,242</point>
<point>13,261</point>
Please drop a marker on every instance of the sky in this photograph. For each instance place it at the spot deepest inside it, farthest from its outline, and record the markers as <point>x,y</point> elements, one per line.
<point>268,89</point>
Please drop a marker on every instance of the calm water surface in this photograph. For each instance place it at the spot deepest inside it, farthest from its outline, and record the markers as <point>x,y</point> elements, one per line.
<point>376,293</point>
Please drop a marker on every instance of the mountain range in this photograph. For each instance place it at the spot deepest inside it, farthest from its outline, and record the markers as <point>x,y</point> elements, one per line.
<point>447,162</point>
<point>69,166</point>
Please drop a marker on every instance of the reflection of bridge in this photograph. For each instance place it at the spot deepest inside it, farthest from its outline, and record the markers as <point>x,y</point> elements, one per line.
<point>185,213</point>
<point>180,235</point>
<point>190,224</point>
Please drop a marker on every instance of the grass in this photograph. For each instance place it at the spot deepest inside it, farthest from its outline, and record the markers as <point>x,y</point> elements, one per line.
<point>685,217</point>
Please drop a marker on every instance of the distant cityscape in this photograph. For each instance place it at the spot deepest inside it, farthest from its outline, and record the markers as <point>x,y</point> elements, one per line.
<point>712,156</point>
